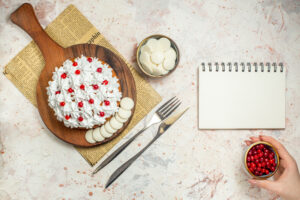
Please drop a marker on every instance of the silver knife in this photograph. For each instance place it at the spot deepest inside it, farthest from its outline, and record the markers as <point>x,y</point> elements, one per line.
<point>162,128</point>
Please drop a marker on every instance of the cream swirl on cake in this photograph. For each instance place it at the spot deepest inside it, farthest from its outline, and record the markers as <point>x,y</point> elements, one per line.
<point>84,92</point>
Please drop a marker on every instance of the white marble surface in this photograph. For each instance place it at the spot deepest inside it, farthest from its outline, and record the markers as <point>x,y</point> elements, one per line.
<point>185,163</point>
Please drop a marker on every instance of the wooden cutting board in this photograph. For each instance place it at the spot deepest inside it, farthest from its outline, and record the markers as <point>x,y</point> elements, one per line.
<point>54,56</point>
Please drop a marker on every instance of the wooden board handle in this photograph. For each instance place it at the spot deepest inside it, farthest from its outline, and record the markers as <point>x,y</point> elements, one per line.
<point>25,18</point>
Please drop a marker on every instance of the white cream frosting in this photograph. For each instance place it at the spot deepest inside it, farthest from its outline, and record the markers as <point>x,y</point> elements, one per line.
<point>88,76</point>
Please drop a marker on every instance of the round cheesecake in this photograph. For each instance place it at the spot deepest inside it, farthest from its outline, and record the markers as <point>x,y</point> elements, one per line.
<point>84,92</point>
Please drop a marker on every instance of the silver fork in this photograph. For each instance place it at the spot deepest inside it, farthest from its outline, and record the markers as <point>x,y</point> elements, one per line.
<point>162,113</point>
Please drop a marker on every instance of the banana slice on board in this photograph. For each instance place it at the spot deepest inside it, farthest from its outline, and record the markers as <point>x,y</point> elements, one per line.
<point>89,137</point>
<point>164,44</point>
<point>109,129</point>
<point>125,114</point>
<point>127,103</point>
<point>115,123</point>
<point>97,135</point>
<point>104,133</point>
<point>120,119</point>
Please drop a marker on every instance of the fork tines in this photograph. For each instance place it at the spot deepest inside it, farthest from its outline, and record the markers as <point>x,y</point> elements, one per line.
<point>167,108</point>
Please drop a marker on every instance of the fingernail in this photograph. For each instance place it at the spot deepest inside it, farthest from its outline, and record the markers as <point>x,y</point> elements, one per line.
<point>252,181</point>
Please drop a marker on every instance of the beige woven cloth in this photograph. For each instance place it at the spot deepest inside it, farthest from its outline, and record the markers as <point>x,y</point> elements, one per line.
<point>70,28</point>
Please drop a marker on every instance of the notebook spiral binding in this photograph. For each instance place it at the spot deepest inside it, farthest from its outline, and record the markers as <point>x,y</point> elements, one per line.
<point>242,66</point>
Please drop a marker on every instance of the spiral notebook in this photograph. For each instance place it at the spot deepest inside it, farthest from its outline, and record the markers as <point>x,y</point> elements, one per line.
<point>241,96</point>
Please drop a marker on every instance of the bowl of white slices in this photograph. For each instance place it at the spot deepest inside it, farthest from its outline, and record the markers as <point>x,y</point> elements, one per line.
<point>157,56</point>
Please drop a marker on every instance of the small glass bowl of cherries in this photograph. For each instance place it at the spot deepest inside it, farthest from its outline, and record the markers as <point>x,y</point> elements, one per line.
<point>261,160</point>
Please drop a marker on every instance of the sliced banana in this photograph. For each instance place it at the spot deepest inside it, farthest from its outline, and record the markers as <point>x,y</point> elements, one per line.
<point>164,44</point>
<point>120,119</point>
<point>145,49</point>
<point>109,129</point>
<point>157,57</point>
<point>145,58</point>
<point>152,44</point>
<point>170,54</point>
<point>104,133</point>
<point>146,62</point>
<point>125,114</point>
<point>168,64</point>
<point>89,137</point>
<point>115,123</point>
<point>97,135</point>
<point>127,103</point>
<point>159,70</point>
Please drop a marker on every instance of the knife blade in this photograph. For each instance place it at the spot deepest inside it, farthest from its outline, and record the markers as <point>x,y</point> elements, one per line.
<point>164,126</point>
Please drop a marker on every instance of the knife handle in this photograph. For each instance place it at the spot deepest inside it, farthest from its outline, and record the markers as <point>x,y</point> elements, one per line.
<point>123,167</point>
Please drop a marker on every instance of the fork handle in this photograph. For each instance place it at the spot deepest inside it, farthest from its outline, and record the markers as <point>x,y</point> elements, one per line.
<point>120,149</point>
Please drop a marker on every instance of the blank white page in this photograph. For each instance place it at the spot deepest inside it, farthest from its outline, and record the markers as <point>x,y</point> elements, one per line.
<point>241,100</point>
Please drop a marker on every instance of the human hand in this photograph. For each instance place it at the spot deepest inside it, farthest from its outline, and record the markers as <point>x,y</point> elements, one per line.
<point>287,178</point>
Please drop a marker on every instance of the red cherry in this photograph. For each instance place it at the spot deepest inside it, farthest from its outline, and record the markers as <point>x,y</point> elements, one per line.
<point>105,82</point>
<point>75,64</point>
<point>263,170</point>
<point>272,161</point>
<point>80,104</point>
<point>70,90</point>
<point>62,103</point>
<point>266,155</point>
<point>272,154</point>
<point>101,114</point>
<point>267,151</point>
<point>250,153</point>
<point>256,157</point>
<point>254,152</point>
<point>82,87</point>
<point>99,69</point>
<point>77,72</point>
<point>272,169</point>
<point>256,161</point>
<point>91,101</point>
<point>261,146</point>
<point>259,165</point>
<point>248,159</point>
<point>252,158</point>
<point>251,169</point>
<point>68,117</point>
<point>106,102</point>
<point>258,169</point>
<point>57,92</point>
<point>263,164</point>
<point>267,172</point>
<point>253,165</point>
<point>274,164</point>
<point>89,59</point>
<point>80,119</point>
<point>259,151</point>
<point>248,164</point>
<point>95,87</point>
<point>266,159</point>
<point>261,159</point>
<point>256,173</point>
<point>63,76</point>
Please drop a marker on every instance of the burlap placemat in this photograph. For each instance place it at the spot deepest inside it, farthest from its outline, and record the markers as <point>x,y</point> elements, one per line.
<point>70,28</point>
